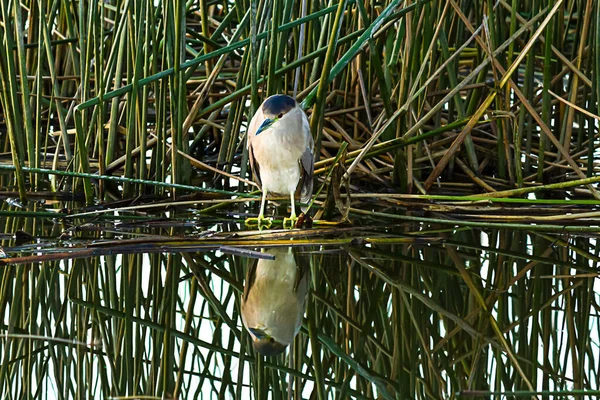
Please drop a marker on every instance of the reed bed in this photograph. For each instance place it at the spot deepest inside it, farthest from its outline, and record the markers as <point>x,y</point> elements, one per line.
<point>431,97</point>
<point>453,251</point>
<point>408,310</point>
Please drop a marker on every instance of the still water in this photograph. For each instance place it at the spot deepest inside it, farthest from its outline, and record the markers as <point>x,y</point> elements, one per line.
<point>135,305</point>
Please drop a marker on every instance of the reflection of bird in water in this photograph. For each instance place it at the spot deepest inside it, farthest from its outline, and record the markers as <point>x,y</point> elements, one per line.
<point>274,300</point>
<point>280,148</point>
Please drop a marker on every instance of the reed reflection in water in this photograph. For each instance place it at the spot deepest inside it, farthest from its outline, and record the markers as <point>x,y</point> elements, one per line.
<point>487,311</point>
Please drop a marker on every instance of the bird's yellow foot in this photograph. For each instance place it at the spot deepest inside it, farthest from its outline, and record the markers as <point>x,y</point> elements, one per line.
<point>260,222</point>
<point>290,223</point>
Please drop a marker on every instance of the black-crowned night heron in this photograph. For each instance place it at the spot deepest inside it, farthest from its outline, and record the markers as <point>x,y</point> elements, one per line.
<point>280,149</point>
<point>273,301</point>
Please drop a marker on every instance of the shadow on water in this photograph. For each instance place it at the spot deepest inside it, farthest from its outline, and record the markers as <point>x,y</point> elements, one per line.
<point>140,304</point>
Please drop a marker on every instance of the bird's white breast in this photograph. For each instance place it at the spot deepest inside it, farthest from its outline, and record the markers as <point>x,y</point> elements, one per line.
<point>276,306</point>
<point>278,151</point>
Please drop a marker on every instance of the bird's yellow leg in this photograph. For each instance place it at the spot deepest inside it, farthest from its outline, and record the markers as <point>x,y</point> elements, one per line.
<point>291,221</point>
<point>261,221</point>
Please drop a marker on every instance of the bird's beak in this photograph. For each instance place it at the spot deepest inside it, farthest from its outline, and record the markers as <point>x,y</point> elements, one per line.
<point>265,125</point>
<point>259,333</point>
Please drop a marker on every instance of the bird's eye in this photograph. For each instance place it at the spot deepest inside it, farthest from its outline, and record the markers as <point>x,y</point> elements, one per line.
<point>280,115</point>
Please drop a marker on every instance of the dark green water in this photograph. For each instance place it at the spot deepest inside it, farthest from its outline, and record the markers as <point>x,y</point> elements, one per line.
<point>146,304</point>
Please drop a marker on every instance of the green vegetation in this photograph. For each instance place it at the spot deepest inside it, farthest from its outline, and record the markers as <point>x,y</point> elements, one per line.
<point>456,148</point>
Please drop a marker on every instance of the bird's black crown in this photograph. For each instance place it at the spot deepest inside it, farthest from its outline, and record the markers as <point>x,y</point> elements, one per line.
<point>268,348</point>
<point>278,104</point>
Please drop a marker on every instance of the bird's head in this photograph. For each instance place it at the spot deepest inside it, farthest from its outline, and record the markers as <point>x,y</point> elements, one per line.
<point>276,108</point>
<point>264,343</point>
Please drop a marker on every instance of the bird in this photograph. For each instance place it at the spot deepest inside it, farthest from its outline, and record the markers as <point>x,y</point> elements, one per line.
<point>281,154</point>
<point>274,299</point>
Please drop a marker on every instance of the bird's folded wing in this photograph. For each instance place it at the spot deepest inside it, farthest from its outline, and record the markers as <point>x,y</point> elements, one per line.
<point>308,166</point>
<point>302,260</point>
<point>251,132</point>
<point>250,278</point>
<point>254,167</point>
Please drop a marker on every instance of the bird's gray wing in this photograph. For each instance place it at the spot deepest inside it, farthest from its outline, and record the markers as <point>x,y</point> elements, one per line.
<point>302,259</point>
<point>301,285</point>
<point>251,132</point>
<point>254,167</point>
<point>250,278</point>
<point>308,165</point>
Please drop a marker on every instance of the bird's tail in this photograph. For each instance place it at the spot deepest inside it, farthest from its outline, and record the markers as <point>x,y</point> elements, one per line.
<point>306,194</point>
